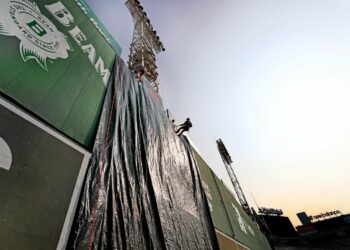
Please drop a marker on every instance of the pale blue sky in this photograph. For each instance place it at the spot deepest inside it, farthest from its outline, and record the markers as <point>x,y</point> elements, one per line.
<point>271,78</point>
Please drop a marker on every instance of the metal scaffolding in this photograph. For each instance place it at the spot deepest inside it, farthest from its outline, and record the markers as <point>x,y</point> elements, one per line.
<point>226,158</point>
<point>144,46</point>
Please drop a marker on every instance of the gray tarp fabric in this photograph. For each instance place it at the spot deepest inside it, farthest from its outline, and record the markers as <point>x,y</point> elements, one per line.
<point>142,189</point>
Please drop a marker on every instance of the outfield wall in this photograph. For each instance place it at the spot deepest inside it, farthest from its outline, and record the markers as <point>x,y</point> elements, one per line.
<point>234,227</point>
<point>41,174</point>
<point>55,61</point>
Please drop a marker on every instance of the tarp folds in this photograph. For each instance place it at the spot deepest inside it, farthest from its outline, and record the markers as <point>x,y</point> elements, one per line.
<point>142,188</point>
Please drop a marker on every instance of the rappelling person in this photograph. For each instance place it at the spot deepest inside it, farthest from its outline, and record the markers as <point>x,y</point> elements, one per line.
<point>184,127</point>
<point>173,124</point>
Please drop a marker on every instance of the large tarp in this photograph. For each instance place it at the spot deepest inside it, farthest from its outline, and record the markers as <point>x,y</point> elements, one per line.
<point>142,189</point>
<point>55,61</point>
<point>228,216</point>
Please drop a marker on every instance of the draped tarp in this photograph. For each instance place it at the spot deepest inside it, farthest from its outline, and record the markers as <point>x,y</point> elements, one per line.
<point>142,189</point>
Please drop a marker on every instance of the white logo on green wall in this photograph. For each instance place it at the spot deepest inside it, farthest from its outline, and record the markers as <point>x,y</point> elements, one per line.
<point>39,37</point>
<point>5,155</point>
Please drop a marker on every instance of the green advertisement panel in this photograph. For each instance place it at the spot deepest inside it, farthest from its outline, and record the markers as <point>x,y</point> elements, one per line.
<point>246,231</point>
<point>216,205</point>
<point>227,215</point>
<point>41,174</point>
<point>101,28</point>
<point>56,62</point>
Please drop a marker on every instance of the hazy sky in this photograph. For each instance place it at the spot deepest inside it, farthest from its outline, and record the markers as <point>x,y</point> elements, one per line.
<point>271,78</point>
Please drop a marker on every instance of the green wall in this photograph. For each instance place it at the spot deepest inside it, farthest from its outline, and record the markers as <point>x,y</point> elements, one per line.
<point>227,215</point>
<point>55,62</point>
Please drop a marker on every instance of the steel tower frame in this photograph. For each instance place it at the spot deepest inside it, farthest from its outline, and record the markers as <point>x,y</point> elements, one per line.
<point>226,158</point>
<point>145,44</point>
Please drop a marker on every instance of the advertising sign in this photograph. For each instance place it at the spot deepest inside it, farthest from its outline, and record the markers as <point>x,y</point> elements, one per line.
<point>55,61</point>
<point>41,174</point>
<point>324,215</point>
<point>228,216</point>
<point>101,28</point>
<point>215,202</point>
<point>244,228</point>
<point>270,211</point>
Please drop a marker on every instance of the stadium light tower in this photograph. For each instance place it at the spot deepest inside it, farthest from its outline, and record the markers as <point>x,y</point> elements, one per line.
<point>145,44</point>
<point>226,158</point>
